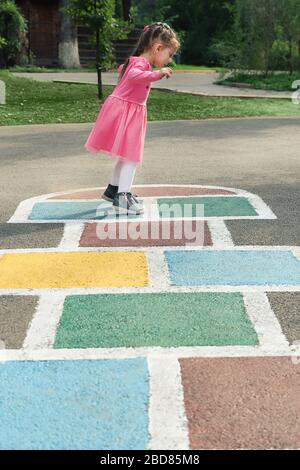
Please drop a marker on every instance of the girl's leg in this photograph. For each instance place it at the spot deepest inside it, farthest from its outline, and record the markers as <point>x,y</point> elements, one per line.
<point>127,173</point>
<point>116,173</point>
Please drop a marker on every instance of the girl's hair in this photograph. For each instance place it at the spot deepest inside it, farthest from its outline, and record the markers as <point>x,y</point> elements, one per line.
<point>155,32</point>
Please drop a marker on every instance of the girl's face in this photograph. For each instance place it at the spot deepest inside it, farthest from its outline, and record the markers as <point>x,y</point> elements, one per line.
<point>162,55</point>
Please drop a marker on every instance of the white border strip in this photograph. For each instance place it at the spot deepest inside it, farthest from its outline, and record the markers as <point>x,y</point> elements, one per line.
<point>158,272</point>
<point>167,419</point>
<point>296,252</point>
<point>264,321</point>
<point>124,353</point>
<point>42,329</point>
<point>149,289</point>
<point>220,235</point>
<point>293,249</point>
<point>140,219</point>
<point>71,236</point>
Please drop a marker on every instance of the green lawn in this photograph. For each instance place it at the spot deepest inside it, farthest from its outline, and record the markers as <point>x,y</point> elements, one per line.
<point>33,68</point>
<point>31,102</point>
<point>277,82</point>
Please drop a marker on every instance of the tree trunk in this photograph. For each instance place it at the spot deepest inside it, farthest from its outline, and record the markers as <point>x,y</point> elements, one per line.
<point>68,54</point>
<point>126,8</point>
<point>299,52</point>
<point>290,55</point>
<point>98,64</point>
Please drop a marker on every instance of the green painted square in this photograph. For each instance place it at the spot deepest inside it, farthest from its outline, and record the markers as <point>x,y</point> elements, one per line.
<point>154,319</point>
<point>213,207</point>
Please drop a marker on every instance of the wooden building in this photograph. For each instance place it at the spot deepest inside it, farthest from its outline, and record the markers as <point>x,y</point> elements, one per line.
<point>44,32</point>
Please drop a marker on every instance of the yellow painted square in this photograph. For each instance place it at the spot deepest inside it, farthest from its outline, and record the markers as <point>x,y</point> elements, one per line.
<point>73,269</point>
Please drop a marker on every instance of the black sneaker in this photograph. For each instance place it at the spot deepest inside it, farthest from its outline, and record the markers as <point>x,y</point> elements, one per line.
<point>112,190</point>
<point>124,202</point>
<point>110,193</point>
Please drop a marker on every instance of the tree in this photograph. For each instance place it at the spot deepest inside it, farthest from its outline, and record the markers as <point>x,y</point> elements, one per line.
<point>126,9</point>
<point>150,11</point>
<point>289,27</point>
<point>201,20</point>
<point>99,16</point>
<point>68,54</point>
<point>13,30</point>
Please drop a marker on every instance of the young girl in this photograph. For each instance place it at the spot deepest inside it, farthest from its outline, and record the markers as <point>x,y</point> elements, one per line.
<point>120,127</point>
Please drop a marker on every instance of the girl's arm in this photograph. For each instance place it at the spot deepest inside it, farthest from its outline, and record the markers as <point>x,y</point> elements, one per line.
<point>138,74</point>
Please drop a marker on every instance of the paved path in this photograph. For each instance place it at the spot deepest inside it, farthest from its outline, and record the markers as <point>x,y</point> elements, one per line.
<point>151,342</point>
<point>200,83</point>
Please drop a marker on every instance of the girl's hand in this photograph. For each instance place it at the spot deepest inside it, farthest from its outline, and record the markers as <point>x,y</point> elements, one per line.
<point>166,72</point>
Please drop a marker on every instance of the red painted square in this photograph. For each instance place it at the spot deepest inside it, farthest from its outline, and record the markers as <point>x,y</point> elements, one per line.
<point>242,402</point>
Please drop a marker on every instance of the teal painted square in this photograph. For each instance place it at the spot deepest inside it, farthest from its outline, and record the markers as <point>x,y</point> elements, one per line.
<point>233,267</point>
<point>154,319</point>
<point>213,207</point>
<point>80,405</point>
<point>84,210</point>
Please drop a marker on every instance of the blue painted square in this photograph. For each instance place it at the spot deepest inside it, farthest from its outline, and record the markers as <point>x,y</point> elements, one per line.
<point>83,404</point>
<point>233,267</point>
<point>84,210</point>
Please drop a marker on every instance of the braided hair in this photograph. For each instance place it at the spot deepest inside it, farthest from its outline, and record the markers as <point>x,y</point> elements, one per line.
<point>156,32</point>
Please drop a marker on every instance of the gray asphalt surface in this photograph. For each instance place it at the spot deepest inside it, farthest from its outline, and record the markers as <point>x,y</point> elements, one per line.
<point>255,154</point>
<point>200,83</point>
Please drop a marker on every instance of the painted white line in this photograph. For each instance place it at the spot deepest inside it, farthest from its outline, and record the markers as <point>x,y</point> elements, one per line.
<point>146,248</point>
<point>141,218</point>
<point>158,271</point>
<point>220,235</point>
<point>296,252</point>
<point>42,329</point>
<point>150,289</point>
<point>71,236</point>
<point>123,353</point>
<point>261,207</point>
<point>167,420</point>
<point>181,196</point>
<point>264,321</point>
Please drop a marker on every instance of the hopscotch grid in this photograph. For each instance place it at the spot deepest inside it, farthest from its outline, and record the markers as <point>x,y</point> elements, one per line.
<point>24,209</point>
<point>159,281</point>
<point>167,420</point>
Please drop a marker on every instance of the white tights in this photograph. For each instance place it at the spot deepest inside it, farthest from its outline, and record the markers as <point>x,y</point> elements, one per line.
<point>123,175</point>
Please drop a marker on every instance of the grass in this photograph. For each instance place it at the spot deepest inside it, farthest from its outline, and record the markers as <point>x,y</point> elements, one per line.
<point>278,82</point>
<point>31,102</point>
<point>196,68</point>
<point>36,69</point>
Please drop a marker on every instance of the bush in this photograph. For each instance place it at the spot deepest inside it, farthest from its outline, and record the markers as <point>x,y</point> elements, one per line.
<point>13,30</point>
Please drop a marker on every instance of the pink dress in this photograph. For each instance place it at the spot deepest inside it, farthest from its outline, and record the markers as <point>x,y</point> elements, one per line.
<point>120,128</point>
